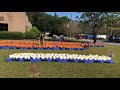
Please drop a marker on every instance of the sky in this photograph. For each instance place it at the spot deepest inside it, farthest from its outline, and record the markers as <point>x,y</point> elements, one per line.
<point>68,14</point>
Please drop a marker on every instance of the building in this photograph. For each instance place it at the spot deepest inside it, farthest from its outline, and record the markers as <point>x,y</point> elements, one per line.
<point>14,22</point>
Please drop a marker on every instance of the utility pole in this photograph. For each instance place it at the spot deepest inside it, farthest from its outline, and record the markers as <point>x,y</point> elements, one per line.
<point>70,24</point>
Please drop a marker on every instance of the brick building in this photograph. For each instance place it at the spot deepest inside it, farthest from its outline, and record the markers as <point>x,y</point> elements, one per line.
<point>14,22</point>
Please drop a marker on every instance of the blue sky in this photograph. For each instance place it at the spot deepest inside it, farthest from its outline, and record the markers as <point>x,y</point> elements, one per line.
<point>68,14</point>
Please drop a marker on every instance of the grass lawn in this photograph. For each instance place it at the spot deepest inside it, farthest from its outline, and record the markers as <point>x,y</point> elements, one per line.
<point>62,70</point>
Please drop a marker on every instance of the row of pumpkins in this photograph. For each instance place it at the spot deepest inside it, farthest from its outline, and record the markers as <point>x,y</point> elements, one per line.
<point>58,56</point>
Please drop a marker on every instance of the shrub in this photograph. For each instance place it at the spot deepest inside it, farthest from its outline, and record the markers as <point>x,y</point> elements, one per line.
<point>11,35</point>
<point>30,35</point>
<point>35,30</point>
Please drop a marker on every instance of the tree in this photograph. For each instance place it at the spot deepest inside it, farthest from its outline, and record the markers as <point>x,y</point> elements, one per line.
<point>63,27</point>
<point>74,29</point>
<point>70,29</point>
<point>64,30</point>
<point>111,19</point>
<point>38,20</point>
<point>84,27</point>
<point>64,20</point>
<point>95,21</point>
<point>52,24</point>
<point>45,22</point>
<point>34,17</point>
<point>35,30</point>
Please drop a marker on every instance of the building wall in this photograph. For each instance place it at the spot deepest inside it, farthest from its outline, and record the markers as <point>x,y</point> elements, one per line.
<point>17,21</point>
<point>5,15</point>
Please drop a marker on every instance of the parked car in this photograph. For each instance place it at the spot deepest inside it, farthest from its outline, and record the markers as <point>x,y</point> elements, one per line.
<point>89,37</point>
<point>113,38</point>
<point>118,39</point>
<point>101,37</point>
<point>79,37</point>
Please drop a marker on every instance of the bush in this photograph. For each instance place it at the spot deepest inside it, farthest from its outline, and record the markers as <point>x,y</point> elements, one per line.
<point>30,35</point>
<point>12,35</point>
<point>35,30</point>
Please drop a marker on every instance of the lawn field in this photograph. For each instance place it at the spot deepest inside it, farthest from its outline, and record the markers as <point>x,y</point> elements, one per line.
<point>62,70</point>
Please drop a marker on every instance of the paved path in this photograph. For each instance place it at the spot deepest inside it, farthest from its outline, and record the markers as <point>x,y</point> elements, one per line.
<point>101,41</point>
<point>98,41</point>
<point>90,40</point>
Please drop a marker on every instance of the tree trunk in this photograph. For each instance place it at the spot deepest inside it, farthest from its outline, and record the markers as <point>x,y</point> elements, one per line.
<point>111,32</point>
<point>42,41</point>
<point>39,40</point>
<point>94,34</point>
<point>94,37</point>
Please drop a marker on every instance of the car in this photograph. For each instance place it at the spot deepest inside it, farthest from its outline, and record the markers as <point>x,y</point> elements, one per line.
<point>88,36</point>
<point>118,39</point>
<point>101,37</point>
<point>79,37</point>
<point>113,38</point>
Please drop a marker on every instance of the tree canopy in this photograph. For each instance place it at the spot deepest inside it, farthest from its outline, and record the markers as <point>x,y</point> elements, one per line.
<point>95,20</point>
<point>98,21</point>
<point>111,20</point>
<point>47,23</point>
<point>91,22</point>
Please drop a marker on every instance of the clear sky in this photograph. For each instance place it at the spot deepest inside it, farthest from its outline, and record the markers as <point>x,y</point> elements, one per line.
<point>68,14</point>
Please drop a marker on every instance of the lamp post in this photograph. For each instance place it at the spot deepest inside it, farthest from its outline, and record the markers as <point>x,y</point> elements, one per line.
<point>70,24</point>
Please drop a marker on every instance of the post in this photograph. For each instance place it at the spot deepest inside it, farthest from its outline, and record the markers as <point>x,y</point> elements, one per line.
<point>70,24</point>
<point>111,54</point>
<point>55,21</point>
<point>34,70</point>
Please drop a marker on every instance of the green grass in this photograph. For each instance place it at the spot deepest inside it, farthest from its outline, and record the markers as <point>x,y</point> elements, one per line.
<point>62,70</point>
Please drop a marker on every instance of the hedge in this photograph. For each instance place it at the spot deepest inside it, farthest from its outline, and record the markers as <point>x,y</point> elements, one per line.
<point>12,35</point>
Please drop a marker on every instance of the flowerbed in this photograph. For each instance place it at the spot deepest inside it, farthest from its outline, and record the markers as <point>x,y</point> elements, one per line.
<point>21,44</point>
<point>94,45</point>
<point>49,57</point>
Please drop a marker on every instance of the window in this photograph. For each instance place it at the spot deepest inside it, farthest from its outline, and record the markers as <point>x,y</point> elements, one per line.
<point>3,27</point>
<point>1,18</point>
